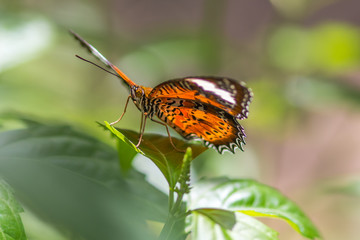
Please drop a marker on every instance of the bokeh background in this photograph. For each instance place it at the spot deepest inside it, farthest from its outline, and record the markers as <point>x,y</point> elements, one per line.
<point>300,57</point>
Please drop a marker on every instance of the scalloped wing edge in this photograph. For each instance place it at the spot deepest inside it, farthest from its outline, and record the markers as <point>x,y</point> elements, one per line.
<point>239,142</point>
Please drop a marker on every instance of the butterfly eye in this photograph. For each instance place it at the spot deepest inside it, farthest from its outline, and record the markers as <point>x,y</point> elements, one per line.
<point>136,92</point>
<point>139,92</point>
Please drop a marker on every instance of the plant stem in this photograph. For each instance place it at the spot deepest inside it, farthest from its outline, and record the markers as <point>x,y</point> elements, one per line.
<point>175,216</point>
<point>174,228</point>
<point>171,199</point>
<point>177,205</point>
<point>167,229</point>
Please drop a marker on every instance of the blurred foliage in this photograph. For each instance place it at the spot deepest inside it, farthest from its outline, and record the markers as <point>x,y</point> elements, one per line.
<point>301,58</point>
<point>74,182</point>
<point>344,186</point>
<point>10,221</point>
<point>328,48</point>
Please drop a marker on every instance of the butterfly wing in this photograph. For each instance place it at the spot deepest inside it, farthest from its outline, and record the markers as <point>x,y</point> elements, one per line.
<point>194,120</point>
<point>223,93</point>
<point>100,57</point>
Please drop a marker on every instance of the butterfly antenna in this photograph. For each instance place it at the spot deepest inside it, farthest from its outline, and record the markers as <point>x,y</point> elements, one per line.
<point>96,65</point>
<point>99,56</point>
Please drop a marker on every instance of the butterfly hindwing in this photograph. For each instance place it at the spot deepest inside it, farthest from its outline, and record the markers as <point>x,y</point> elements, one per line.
<point>194,120</point>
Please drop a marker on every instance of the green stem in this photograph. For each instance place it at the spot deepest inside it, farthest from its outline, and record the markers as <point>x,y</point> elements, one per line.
<point>177,205</point>
<point>171,199</point>
<point>175,215</point>
<point>174,228</point>
<point>167,229</point>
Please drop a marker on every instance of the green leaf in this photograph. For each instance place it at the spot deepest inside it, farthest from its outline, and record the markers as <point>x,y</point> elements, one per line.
<point>62,146</point>
<point>125,157</point>
<point>149,200</point>
<point>251,198</point>
<point>125,151</point>
<point>209,224</point>
<point>226,219</point>
<point>74,181</point>
<point>121,136</point>
<point>11,226</point>
<point>80,205</point>
<point>159,149</point>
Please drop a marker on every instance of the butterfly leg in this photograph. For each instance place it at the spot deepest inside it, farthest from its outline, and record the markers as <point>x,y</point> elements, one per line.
<point>142,128</point>
<point>127,101</point>
<point>168,132</point>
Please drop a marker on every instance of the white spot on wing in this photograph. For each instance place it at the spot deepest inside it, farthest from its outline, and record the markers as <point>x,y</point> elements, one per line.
<point>211,87</point>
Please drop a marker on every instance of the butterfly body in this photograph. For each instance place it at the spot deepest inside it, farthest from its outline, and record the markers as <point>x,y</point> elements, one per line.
<point>139,95</point>
<point>198,108</point>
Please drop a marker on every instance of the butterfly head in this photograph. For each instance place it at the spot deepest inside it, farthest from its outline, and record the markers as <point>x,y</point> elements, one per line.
<point>137,95</point>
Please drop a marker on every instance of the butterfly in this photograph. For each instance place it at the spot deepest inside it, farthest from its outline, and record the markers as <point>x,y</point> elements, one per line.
<point>198,108</point>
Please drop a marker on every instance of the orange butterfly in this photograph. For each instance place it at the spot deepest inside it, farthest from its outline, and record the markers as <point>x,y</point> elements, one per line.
<point>200,108</point>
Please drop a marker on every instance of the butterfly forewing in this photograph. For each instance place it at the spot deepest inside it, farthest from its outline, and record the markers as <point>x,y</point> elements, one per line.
<point>100,57</point>
<point>223,93</point>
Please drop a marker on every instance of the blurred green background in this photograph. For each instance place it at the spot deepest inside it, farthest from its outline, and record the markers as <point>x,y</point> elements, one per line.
<point>301,58</point>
